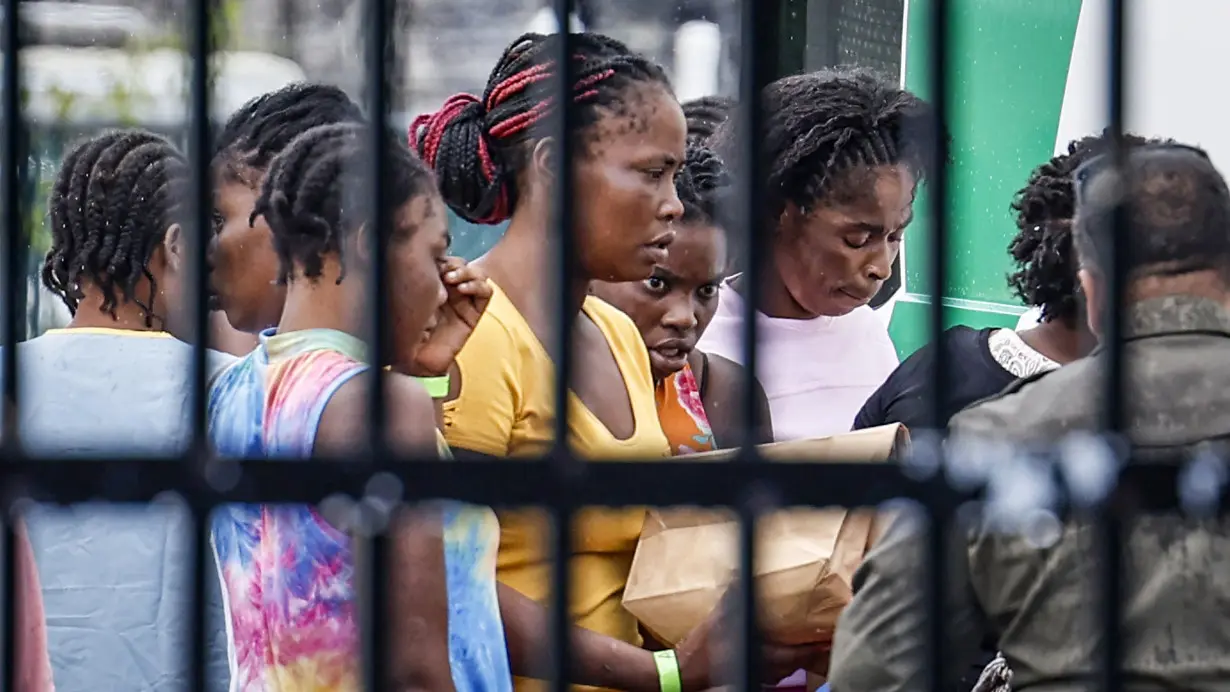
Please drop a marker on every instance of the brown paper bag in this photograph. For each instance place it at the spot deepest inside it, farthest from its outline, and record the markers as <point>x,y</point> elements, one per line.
<point>806,558</point>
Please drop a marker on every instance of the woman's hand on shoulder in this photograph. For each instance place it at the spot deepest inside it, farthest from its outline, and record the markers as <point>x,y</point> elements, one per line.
<point>469,292</point>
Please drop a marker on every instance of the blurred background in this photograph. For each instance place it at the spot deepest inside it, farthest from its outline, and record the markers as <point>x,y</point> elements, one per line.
<point>107,63</point>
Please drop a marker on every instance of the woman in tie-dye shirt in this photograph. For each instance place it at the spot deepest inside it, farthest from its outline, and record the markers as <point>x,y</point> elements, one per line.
<point>288,574</point>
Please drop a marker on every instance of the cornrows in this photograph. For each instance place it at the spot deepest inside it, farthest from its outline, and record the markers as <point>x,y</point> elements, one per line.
<point>313,196</point>
<point>267,124</point>
<point>114,198</point>
<point>477,145</point>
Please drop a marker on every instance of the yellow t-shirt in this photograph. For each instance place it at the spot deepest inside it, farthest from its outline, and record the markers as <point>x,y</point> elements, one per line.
<point>505,409</point>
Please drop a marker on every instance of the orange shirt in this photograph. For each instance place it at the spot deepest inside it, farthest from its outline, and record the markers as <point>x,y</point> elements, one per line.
<point>682,414</point>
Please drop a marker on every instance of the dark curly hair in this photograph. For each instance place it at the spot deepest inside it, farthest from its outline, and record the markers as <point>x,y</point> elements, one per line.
<point>311,200</point>
<point>267,124</point>
<point>478,146</point>
<point>703,184</point>
<point>704,115</point>
<point>822,125</point>
<point>1042,249</point>
<point>113,200</point>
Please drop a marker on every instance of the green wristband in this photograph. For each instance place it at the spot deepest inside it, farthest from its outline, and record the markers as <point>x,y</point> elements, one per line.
<point>669,679</point>
<point>437,387</point>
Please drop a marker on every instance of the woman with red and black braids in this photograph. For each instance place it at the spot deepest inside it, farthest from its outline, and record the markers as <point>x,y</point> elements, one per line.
<point>495,160</point>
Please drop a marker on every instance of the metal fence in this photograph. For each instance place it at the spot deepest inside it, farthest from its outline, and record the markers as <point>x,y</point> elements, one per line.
<point>559,481</point>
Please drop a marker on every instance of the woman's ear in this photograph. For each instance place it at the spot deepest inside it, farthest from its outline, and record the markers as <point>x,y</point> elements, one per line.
<point>173,248</point>
<point>362,245</point>
<point>1093,300</point>
<point>543,158</point>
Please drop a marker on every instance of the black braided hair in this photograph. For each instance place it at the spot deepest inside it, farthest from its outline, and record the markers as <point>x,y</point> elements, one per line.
<point>312,197</point>
<point>267,124</point>
<point>1042,249</point>
<point>823,125</point>
<point>703,185</point>
<point>477,146</point>
<point>704,116</point>
<point>113,200</point>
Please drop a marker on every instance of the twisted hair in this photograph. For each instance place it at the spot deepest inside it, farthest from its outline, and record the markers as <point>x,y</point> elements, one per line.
<point>267,124</point>
<point>702,185</point>
<point>823,125</point>
<point>1042,248</point>
<point>478,146</point>
<point>114,198</point>
<point>313,195</point>
<point>704,115</point>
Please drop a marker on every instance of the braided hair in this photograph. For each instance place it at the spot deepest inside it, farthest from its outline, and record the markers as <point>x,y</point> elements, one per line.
<point>702,185</point>
<point>823,125</point>
<point>1042,249</point>
<point>478,146</point>
<point>267,124</point>
<point>704,115</point>
<point>311,200</point>
<point>113,200</point>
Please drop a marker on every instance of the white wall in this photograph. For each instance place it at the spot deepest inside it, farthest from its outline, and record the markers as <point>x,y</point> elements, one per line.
<point>1177,53</point>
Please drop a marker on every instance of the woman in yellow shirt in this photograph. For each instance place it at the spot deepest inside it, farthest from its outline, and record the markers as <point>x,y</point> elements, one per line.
<point>494,160</point>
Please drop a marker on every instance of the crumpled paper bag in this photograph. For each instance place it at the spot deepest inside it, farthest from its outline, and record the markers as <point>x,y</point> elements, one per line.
<point>806,558</point>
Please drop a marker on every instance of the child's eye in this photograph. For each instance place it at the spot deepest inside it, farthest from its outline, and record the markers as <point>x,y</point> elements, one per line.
<point>655,284</point>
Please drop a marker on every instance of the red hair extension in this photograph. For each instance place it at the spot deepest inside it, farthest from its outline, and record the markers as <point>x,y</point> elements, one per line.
<point>432,127</point>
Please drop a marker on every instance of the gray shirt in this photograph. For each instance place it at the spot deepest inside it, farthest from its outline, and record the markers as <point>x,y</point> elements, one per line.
<point>1039,600</point>
<point>115,580</point>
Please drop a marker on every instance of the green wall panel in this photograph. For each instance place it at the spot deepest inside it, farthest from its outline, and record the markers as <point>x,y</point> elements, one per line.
<point>1009,62</point>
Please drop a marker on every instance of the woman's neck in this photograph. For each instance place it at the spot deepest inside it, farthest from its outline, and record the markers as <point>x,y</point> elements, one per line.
<point>127,315</point>
<point>320,304</point>
<point>775,299</point>
<point>526,266</point>
<point>1057,341</point>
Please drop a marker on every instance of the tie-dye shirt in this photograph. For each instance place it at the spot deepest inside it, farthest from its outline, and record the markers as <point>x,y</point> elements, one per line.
<point>287,574</point>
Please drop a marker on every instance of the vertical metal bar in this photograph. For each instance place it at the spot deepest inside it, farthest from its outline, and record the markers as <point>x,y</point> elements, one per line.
<point>760,28</point>
<point>1110,525</point>
<point>565,466</point>
<point>938,182</point>
<point>378,43</point>
<point>200,51</point>
<point>14,163</point>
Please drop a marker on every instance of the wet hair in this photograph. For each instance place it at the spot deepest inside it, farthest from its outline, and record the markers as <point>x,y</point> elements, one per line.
<point>113,200</point>
<point>703,185</point>
<point>267,124</point>
<point>477,147</point>
<point>1176,211</point>
<point>1042,249</point>
<point>821,126</point>
<point>313,197</point>
<point>704,115</point>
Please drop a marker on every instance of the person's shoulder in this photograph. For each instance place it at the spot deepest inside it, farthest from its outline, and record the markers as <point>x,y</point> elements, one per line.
<point>724,372</point>
<point>500,328</point>
<point>1030,406</point>
<point>619,329</point>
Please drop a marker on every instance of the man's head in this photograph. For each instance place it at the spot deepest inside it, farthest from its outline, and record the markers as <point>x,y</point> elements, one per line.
<point>1175,235</point>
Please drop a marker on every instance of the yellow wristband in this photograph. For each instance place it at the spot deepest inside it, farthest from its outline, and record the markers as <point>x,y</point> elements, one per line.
<point>669,679</point>
<point>437,387</point>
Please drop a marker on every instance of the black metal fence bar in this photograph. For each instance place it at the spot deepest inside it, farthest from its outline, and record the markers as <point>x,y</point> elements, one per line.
<point>940,519</point>
<point>1115,404</point>
<point>200,18</point>
<point>14,316</point>
<point>562,462</point>
<point>372,569</point>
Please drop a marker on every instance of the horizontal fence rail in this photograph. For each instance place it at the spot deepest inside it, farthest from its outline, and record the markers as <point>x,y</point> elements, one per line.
<point>560,481</point>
